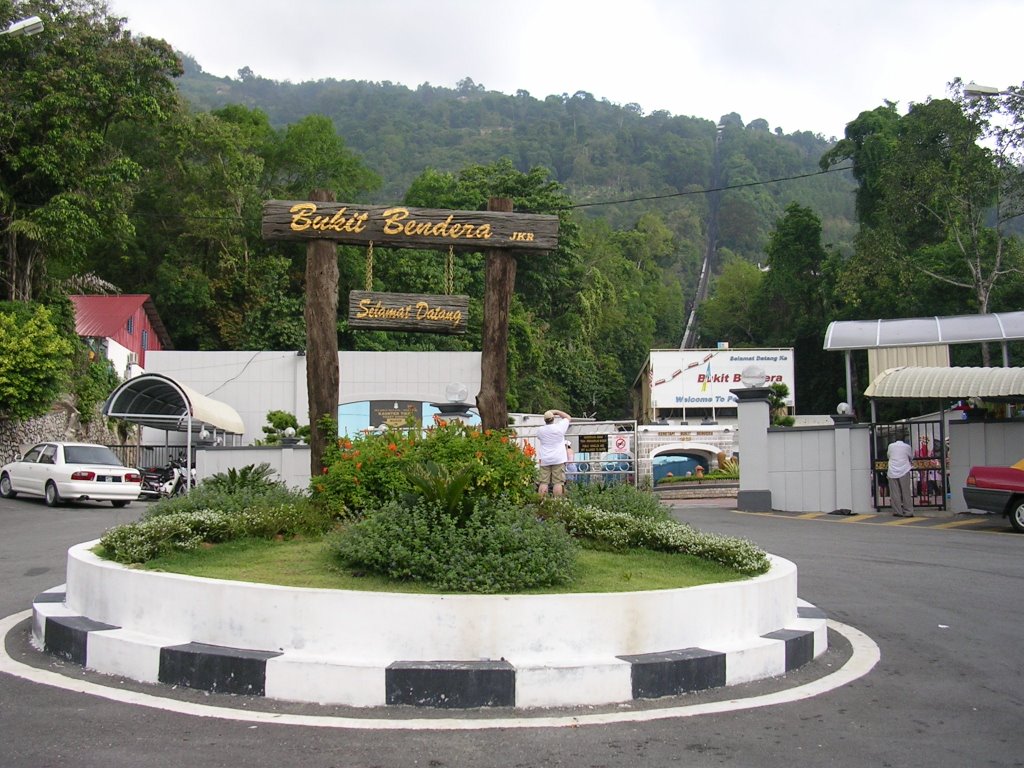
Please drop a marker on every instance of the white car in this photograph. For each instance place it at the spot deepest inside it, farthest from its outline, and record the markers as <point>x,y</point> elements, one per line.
<point>62,472</point>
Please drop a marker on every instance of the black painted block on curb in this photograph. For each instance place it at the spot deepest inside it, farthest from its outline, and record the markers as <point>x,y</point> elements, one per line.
<point>671,673</point>
<point>451,684</point>
<point>799,646</point>
<point>810,612</point>
<point>50,597</point>
<point>68,636</point>
<point>215,668</point>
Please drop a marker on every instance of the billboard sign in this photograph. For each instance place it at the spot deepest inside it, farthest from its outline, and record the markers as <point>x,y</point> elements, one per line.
<point>703,378</point>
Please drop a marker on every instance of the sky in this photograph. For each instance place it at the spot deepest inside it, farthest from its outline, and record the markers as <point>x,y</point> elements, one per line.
<point>802,65</point>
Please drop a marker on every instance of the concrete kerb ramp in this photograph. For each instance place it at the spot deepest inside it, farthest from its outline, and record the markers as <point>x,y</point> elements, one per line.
<point>368,649</point>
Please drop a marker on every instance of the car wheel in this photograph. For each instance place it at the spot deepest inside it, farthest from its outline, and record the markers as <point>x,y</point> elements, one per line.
<point>1017,515</point>
<point>120,503</point>
<point>5,487</point>
<point>52,496</point>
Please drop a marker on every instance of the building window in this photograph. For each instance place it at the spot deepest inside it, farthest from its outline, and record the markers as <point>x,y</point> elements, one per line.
<point>145,339</point>
<point>131,325</point>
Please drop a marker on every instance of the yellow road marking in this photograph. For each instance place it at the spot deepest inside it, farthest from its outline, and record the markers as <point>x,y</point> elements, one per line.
<point>962,523</point>
<point>904,521</point>
<point>810,515</point>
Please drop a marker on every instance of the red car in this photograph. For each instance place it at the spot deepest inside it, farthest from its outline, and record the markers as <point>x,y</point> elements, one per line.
<point>999,490</point>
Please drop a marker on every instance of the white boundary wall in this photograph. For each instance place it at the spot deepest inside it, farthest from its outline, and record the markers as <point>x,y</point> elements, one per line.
<point>981,443</point>
<point>254,383</point>
<point>820,469</point>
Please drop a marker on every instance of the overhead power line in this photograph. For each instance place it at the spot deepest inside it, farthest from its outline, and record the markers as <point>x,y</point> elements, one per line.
<point>623,201</point>
<point>710,189</point>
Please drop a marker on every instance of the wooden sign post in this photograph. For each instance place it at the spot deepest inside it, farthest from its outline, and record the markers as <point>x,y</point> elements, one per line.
<point>497,231</point>
<point>322,374</point>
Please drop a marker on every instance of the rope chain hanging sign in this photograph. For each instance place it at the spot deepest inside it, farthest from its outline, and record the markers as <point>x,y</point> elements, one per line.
<point>499,232</point>
<point>449,272</point>
<point>404,227</point>
<point>417,312</point>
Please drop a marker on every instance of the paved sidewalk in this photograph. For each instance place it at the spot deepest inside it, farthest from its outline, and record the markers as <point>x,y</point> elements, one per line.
<point>932,519</point>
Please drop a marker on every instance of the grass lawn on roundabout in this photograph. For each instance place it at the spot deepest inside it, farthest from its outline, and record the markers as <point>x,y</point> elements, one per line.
<point>308,562</point>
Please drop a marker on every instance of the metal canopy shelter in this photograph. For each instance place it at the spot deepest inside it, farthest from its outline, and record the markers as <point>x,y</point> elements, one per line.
<point>157,401</point>
<point>919,331</point>
<point>160,402</point>
<point>995,384</point>
<point>848,335</point>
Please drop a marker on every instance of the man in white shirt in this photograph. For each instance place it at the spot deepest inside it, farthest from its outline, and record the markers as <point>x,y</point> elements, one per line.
<point>900,456</point>
<point>551,453</point>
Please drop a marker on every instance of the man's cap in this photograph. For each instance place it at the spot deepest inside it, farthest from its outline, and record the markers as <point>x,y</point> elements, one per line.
<point>549,415</point>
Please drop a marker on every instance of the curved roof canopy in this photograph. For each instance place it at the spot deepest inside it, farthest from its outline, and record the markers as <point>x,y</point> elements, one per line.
<point>920,331</point>
<point>157,401</point>
<point>1005,384</point>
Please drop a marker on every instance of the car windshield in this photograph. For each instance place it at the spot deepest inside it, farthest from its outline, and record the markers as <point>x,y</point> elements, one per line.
<point>91,454</point>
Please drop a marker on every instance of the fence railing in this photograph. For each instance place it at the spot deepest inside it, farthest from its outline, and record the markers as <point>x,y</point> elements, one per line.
<point>141,456</point>
<point>929,468</point>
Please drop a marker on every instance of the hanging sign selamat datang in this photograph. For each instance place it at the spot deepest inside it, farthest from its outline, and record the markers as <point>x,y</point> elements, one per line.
<point>407,312</point>
<point>402,227</point>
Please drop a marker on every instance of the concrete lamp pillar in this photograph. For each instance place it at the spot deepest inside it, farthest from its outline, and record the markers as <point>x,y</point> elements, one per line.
<point>843,460</point>
<point>753,413</point>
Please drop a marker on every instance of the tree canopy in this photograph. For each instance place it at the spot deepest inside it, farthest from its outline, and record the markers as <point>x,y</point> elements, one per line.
<point>123,162</point>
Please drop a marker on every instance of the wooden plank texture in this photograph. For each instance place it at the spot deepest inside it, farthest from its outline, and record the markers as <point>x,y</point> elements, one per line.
<point>404,227</point>
<point>423,313</point>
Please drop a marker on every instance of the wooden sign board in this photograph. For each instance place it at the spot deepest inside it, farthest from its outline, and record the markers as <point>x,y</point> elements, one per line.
<point>593,443</point>
<point>403,227</point>
<point>416,312</point>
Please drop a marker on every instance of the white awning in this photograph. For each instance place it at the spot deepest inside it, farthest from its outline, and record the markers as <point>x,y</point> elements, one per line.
<point>918,331</point>
<point>157,401</point>
<point>1005,384</point>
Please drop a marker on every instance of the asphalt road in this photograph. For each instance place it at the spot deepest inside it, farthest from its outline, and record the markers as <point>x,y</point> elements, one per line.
<point>945,606</point>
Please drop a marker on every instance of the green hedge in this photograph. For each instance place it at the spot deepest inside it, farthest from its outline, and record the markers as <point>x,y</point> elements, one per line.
<point>623,530</point>
<point>500,547</point>
<point>212,515</point>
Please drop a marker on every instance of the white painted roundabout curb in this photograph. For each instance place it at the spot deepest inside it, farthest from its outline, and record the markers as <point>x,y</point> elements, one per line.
<point>367,649</point>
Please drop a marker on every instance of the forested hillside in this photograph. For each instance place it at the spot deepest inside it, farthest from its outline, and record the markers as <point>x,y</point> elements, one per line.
<point>124,167</point>
<point>602,153</point>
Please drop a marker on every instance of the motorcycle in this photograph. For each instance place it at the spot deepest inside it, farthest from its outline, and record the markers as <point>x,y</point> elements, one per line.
<point>167,481</point>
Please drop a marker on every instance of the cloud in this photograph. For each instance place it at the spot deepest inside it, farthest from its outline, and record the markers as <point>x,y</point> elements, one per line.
<point>798,64</point>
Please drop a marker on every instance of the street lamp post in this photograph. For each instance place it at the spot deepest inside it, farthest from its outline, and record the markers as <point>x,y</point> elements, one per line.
<point>974,91</point>
<point>33,25</point>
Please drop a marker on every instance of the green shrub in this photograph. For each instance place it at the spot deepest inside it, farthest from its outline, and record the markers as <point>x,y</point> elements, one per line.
<point>435,485</point>
<point>500,547</point>
<point>278,422</point>
<point>179,531</point>
<point>717,475</point>
<point>216,496</point>
<point>363,472</point>
<point>622,530</point>
<point>620,497</point>
<point>252,476</point>
<point>210,514</point>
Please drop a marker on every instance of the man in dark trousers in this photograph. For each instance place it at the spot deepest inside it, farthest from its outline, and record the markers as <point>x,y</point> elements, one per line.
<point>900,457</point>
